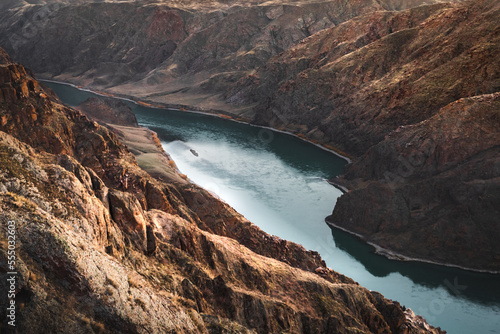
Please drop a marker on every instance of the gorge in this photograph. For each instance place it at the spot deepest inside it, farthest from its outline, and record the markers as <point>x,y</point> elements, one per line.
<point>351,75</point>
<point>408,90</point>
<point>102,246</point>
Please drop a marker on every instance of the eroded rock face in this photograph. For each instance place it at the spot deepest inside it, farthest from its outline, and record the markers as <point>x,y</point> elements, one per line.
<point>437,195</point>
<point>104,247</point>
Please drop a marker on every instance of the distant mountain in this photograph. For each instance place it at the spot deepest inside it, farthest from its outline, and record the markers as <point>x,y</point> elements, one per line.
<point>353,84</point>
<point>181,52</point>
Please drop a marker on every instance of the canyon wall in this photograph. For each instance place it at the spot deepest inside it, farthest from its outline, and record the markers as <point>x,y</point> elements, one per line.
<point>413,96</point>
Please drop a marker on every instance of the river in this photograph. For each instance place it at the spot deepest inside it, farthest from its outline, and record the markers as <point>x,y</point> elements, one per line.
<point>278,182</point>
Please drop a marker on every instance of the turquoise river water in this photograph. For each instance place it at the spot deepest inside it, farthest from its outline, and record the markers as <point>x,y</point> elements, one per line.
<point>278,182</point>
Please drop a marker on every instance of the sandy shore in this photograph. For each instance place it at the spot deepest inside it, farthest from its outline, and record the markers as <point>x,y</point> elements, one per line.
<point>149,153</point>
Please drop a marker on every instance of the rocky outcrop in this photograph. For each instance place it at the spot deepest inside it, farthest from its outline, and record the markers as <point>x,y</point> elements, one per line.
<point>437,195</point>
<point>101,246</point>
<point>108,110</point>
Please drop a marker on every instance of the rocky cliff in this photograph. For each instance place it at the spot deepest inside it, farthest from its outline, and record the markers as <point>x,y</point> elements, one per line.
<point>438,186</point>
<point>101,246</point>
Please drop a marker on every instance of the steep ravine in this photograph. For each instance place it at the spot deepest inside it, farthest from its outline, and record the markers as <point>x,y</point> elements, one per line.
<point>104,247</point>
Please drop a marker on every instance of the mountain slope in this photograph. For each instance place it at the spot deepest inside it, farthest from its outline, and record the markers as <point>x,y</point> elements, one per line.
<point>345,74</point>
<point>436,196</point>
<point>167,51</point>
<point>409,95</point>
<point>352,84</point>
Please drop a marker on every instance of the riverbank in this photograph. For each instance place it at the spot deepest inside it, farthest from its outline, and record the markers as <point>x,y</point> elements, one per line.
<point>211,112</point>
<point>149,153</point>
<point>391,255</point>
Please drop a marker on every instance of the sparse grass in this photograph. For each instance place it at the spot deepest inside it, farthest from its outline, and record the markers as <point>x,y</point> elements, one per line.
<point>133,282</point>
<point>141,303</point>
<point>184,302</point>
<point>19,202</point>
<point>156,140</point>
<point>111,282</point>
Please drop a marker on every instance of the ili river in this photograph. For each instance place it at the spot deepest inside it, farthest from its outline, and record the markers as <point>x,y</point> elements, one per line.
<point>278,182</point>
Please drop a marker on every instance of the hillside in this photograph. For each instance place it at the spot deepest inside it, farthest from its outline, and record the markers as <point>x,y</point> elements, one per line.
<point>353,84</point>
<point>413,96</point>
<point>436,196</point>
<point>176,52</point>
<point>359,76</point>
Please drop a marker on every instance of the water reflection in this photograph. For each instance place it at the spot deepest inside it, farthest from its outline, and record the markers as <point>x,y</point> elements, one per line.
<point>480,288</point>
